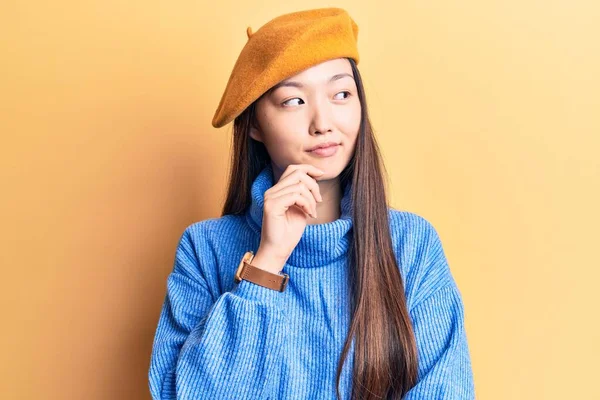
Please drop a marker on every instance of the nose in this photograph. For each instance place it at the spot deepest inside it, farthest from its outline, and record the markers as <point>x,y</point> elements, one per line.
<point>321,120</point>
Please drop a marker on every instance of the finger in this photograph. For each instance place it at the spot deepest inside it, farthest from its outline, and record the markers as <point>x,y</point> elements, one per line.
<point>309,169</point>
<point>301,188</point>
<point>282,203</point>
<point>300,176</point>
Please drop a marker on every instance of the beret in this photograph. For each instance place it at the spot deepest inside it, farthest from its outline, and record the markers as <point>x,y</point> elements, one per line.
<point>284,47</point>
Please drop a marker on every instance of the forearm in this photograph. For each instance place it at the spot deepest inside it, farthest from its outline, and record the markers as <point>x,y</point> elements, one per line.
<point>236,341</point>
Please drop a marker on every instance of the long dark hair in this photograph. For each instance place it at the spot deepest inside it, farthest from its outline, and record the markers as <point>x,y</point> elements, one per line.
<point>385,357</point>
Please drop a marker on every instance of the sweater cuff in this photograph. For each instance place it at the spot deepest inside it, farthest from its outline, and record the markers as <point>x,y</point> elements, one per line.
<point>251,291</point>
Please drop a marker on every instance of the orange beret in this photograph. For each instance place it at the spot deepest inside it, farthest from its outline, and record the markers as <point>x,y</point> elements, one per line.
<point>284,47</point>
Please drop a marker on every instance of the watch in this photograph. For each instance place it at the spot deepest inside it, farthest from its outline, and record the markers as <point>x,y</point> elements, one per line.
<point>249,272</point>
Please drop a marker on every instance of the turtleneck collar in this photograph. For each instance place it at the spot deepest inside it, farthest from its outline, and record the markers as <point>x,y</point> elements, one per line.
<point>320,244</point>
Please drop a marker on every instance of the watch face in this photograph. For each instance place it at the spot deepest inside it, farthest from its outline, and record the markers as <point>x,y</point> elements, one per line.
<point>238,273</point>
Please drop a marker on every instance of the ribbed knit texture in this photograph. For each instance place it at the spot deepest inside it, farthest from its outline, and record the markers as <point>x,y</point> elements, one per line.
<point>220,340</point>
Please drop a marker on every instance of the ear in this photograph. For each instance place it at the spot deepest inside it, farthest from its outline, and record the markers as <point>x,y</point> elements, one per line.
<point>255,134</point>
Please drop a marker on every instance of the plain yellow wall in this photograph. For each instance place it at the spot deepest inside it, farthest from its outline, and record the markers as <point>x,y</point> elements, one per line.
<point>487,113</point>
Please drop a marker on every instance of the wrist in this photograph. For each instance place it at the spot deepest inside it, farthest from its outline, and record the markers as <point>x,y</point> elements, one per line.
<point>267,262</point>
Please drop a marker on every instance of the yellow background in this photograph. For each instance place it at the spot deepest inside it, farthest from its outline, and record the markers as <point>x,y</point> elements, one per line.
<point>487,113</point>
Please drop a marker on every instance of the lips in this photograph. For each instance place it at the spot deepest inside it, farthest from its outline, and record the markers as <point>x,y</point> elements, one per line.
<point>323,146</point>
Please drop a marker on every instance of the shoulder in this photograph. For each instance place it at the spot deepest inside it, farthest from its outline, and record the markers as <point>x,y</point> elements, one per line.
<point>409,221</point>
<point>215,225</point>
<point>207,232</point>
<point>203,248</point>
<point>411,232</point>
<point>202,242</point>
<point>420,255</point>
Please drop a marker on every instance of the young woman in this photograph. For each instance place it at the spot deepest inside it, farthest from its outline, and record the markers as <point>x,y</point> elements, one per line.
<point>309,286</point>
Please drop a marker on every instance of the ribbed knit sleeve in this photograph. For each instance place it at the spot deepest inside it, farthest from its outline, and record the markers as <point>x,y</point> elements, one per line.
<point>444,362</point>
<point>438,318</point>
<point>223,348</point>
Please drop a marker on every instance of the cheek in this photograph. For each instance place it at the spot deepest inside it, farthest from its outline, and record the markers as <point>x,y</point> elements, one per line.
<point>275,123</point>
<point>280,137</point>
<point>349,121</point>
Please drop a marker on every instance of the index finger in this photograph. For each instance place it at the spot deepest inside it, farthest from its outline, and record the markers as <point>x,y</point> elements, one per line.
<point>309,169</point>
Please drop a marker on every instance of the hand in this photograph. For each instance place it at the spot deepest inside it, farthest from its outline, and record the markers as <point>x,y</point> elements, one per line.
<point>287,206</point>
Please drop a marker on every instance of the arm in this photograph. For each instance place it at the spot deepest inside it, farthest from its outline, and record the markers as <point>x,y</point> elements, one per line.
<point>445,371</point>
<point>444,361</point>
<point>206,348</point>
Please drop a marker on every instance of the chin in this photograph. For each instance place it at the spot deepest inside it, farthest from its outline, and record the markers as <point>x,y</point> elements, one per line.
<point>329,174</point>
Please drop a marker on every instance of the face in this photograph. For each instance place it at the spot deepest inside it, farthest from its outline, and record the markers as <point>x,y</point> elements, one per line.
<point>319,105</point>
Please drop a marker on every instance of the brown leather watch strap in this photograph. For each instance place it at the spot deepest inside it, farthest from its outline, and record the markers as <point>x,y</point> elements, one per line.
<point>264,278</point>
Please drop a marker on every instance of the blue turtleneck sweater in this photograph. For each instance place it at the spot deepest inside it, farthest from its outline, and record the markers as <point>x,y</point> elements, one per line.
<point>220,340</point>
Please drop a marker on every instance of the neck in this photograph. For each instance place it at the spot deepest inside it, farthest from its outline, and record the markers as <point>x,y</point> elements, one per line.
<point>329,209</point>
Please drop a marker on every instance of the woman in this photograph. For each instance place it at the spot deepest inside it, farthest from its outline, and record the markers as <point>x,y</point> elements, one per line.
<point>309,286</point>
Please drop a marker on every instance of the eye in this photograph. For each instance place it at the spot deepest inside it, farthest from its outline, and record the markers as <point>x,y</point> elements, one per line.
<point>347,92</point>
<point>295,98</point>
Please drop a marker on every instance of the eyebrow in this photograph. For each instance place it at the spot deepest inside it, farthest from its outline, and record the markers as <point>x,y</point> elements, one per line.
<point>300,85</point>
